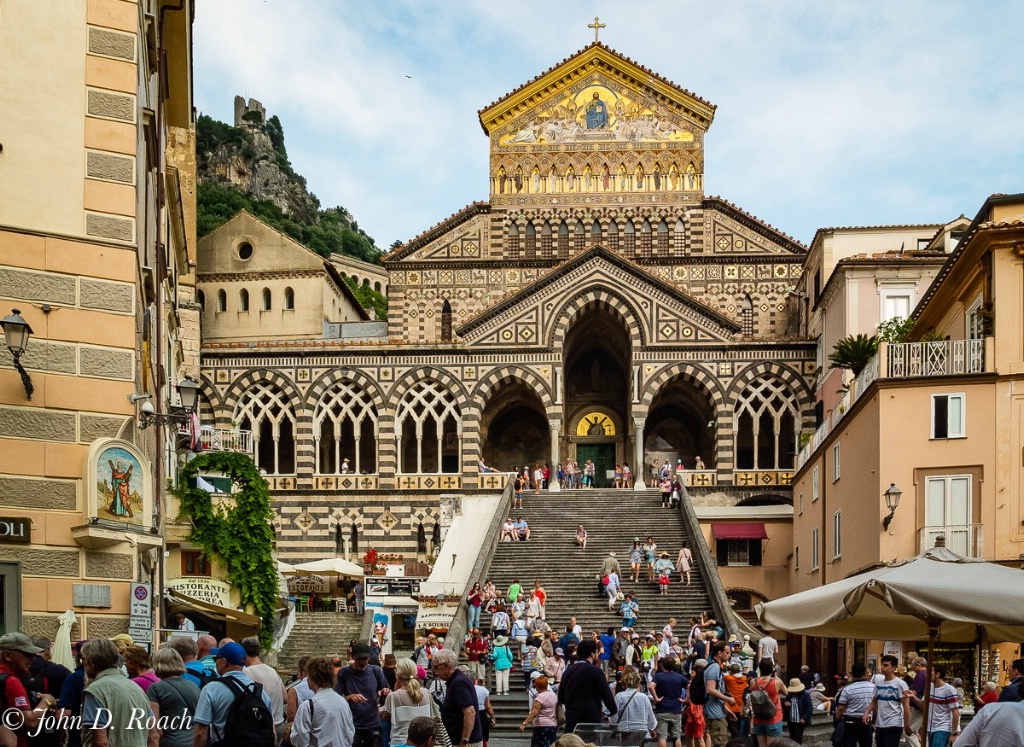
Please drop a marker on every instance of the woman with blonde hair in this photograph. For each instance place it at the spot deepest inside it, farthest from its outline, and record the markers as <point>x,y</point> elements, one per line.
<point>635,712</point>
<point>407,701</point>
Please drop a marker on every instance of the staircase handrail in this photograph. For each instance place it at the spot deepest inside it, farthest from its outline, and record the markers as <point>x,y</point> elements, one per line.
<point>457,630</point>
<point>731,622</point>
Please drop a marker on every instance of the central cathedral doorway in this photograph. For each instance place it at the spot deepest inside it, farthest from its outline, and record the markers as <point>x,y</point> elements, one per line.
<point>603,457</point>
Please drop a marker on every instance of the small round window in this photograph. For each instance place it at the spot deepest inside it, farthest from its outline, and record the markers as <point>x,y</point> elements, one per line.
<point>245,250</point>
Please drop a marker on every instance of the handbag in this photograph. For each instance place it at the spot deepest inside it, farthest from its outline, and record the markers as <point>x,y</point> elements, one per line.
<point>441,736</point>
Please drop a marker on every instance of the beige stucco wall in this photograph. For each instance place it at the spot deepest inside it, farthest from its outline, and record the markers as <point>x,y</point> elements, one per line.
<point>304,321</point>
<point>42,66</point>
<point>771,578</point>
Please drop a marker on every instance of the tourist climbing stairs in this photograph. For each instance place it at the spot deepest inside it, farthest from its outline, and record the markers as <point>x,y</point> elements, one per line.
<point>318,634</point>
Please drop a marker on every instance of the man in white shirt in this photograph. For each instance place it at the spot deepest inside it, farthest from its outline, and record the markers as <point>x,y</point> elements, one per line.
<point>267,676</point>
<point>890,705</point>
<point>943,707</point>
<point>995,725</point>
<point>767,647</point>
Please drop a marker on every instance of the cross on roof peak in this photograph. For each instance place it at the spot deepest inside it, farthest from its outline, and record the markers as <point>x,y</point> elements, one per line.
<point>597,26</point>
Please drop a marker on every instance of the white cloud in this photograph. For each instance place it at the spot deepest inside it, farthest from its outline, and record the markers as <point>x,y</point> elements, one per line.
<point>834,113</point>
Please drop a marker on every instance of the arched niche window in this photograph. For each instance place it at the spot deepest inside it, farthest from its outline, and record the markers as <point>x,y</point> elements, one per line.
<point>376,287</point>
<point>267,299</point>
<point>428,426</point>
<point>629,233</point>
<point>243,300</point>
<point>531,240</point>
<point>766,422</point>
<point>289,299</point>
<point>679,237</point>
<point>339,540</point>
<point>595,231</point>
<point>563,239</point>
<point>446,321</point>
<point>645,237</point>
<point>661,242</point>
<point>513,240</point>
<point>353,540</point>
<point>545,239</point>
<point>222,300</point>
<point>264,409</point>
<point>421,538</point>
<point>201,299</point>
<point>747,316</point>
<point>435,536</point>
<point>345,426</point>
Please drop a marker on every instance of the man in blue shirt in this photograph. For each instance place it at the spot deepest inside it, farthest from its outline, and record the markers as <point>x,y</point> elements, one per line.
<point>607,643</point>
<point>716,715</point>
<point>215,699</point>
<point>362,684</point>
<point>195,672</point>
<point>668,688</point>
<point>522,529</point>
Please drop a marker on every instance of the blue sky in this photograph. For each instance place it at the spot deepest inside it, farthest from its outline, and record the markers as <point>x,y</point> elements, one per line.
<point>829,113</point>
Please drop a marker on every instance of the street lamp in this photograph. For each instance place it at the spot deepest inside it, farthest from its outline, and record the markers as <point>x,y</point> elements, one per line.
<point>17,332</point>
<point>892,500</point>
<point>188,393</point>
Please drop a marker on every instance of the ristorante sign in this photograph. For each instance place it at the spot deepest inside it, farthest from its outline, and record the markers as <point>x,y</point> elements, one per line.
<point>206,590</point>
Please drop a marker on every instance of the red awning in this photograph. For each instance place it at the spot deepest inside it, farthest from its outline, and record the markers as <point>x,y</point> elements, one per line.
<point>752,531</point>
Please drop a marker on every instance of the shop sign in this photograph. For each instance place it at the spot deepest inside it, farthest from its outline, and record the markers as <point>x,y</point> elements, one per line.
<point>393,587</point>
<point>207,590</point>
<point>141,635</point>
<point>15,531</point>
<point>893,648</point>
<point>307,585</point>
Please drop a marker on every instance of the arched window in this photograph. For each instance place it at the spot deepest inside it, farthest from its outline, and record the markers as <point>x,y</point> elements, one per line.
<point>243,300</point>
<point>339,540</point>
<point>289,299</point>
<point>366,282</point>
<point>353,540</point>
<point>446,321</point>
<point>513,240</point>
<point>661,243</point>
<point>629,231</point>
<point>680,236</point>
<point>201,298</point>
<point>645,237</point>
<point>428,426</point>
<point>595,231</point>
<point>376,287</point>
<point>421,538</point>
<point>563,239</point>
<point>766,422</point>
<point>266,299</point>
<point>345,427</point>
<point>531,240</point>
<point>265,411</point>
<point>747,316</point>
<point>435,536</point>
<point>545,239</point>
<point>222,300</point>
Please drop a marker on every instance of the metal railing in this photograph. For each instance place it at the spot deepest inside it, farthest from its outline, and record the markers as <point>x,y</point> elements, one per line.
<point>936,358</point>
<point>223,439</point>
<point>963,539</point>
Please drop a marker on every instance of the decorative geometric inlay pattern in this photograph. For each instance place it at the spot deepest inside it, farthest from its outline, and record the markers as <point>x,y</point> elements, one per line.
<point>725,369</point>
<point>304,521</point>
<point>387,521</point>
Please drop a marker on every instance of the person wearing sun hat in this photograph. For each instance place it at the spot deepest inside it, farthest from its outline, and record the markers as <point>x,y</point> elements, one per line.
<point>502,658</point>
<point>798,709</point>
<point>16,651</point>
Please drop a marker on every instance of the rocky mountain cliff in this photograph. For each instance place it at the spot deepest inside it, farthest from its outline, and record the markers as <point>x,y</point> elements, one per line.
<point>246,166</point>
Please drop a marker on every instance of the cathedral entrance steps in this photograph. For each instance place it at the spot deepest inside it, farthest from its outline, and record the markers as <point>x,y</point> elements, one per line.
<point>318,634</point>
<point>570,574</point>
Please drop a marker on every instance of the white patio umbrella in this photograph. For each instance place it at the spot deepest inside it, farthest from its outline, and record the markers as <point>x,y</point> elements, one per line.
<point>937,593</point>
<point>283,567</point>
<point>336,566</point>
<point>60,652</point>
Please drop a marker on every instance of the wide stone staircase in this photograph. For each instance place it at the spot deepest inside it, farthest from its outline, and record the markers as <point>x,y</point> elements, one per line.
<point>318,634</point>
<point>569,574</point>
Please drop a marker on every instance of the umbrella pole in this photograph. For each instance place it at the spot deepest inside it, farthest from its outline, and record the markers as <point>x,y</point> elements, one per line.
<point>933,630</point>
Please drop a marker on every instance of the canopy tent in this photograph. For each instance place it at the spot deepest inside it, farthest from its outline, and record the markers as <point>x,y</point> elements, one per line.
<point>937,593</point>
<point>337,566</point>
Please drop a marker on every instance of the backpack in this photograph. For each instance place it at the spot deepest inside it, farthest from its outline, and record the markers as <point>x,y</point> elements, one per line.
<point>249,722</point>
<point>205,676</point>
<point>761,704</point>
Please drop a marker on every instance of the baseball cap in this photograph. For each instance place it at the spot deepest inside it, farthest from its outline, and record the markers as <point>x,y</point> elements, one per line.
<point>535,675</point>
<point>623,630</point>
<point>361,651</point>
<point>18,642</point>
<point>232,653</point>
<point>560,652</point>
<point>700,663</point>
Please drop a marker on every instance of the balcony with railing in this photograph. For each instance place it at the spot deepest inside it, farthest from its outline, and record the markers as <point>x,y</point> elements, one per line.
<point>963,539</point>
<point>903,360</point>
<point>223,439</point>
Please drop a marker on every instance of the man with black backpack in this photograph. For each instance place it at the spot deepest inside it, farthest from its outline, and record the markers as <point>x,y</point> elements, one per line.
<point>233,711</point>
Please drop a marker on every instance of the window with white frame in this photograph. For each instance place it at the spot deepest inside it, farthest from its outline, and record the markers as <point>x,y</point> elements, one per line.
<point>897,301</point>
<point>948,415</point>
<point>815,483</point>
<point>428,427</point>
<point>814,549</point>
<point>973,322</point>
<point>948,511</point>
<point>835,461</point>
<point>837,534</point>
<point>766,423</point>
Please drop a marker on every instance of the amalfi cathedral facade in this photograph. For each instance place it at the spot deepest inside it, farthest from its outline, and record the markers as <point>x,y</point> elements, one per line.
<point>597,306</point>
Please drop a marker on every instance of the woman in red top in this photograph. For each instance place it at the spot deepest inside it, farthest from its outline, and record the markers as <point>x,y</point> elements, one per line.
<point>776,688</point>
<point>988,695</point>
<point>542,597</point>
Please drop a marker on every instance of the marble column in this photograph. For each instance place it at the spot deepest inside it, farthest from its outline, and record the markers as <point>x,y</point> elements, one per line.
<point>639,468</point>
<point>555,426</point>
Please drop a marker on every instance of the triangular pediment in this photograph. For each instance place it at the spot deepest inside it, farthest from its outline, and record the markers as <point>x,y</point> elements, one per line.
<point>597,94</point>
<point>664,315</point>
